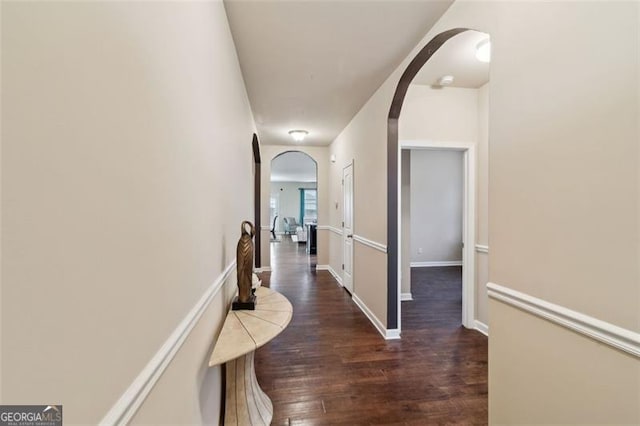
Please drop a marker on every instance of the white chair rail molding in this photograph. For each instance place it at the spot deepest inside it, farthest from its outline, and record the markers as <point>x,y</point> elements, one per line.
<point>617,337</point>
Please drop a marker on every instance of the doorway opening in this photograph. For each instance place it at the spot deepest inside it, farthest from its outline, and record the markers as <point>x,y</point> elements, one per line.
<point>435,126</point>
<point>293,204</point>
<point>437,220</point>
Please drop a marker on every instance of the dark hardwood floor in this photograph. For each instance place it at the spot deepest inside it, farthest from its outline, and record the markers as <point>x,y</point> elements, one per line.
<point>332,367</point>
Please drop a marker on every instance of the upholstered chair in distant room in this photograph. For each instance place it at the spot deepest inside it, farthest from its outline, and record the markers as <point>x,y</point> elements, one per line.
<point>290,225</point>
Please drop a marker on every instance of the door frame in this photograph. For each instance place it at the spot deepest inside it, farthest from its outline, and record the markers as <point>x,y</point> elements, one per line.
<point>468,222</point>
<point>351,290</point>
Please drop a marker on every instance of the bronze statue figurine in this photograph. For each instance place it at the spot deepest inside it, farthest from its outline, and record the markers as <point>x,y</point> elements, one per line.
<point>244,262</point>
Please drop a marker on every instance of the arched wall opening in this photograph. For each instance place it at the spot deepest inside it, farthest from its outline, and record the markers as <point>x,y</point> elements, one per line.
<point>321,158</point>
<point>290,174</point>
<point>393,150</point>
<point>443,218</point>
<point>294,176</point>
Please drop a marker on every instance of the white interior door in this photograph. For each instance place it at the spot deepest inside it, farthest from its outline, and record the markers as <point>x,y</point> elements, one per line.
<point>347,228</point>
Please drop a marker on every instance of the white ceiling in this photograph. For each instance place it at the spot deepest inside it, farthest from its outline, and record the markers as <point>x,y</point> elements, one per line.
<point>293,166</point>
<point>457,57</point>
<point>313,64</point>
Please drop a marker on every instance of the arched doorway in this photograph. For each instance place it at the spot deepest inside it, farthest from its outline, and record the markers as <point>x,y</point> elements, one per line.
<point>393,208</point>
<point>293,201</point>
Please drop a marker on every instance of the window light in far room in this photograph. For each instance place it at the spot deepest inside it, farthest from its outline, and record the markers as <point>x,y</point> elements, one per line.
<point>298,135</point>
<point>483,51</point>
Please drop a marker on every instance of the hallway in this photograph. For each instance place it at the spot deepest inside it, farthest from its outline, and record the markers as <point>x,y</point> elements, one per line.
<point>330,366</point>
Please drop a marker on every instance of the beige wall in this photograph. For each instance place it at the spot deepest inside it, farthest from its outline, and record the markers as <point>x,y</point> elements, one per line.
<point>364,142</point>
<point>564,159</point>
<point>123,124</point>
<point>563,195</point>
<point>564,204</point>
<point>482,207</point>
<point>336,200</point>
<point>335,215</point>
<point>321,157</point>
<point>555,376</point>
<point>1,234</point>
<point>442,115</point>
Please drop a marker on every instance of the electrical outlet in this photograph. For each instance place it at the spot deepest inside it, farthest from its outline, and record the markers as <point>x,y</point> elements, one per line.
<point>420,250</point>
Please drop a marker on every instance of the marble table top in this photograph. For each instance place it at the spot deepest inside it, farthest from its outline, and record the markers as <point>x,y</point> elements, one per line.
<point>245,331</point>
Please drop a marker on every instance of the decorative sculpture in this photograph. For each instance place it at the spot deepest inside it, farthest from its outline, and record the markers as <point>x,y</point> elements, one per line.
<point>244,262</point>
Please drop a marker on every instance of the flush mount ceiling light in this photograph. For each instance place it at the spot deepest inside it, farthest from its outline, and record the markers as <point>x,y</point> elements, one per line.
<point>445,80</point>
<point>483,51</point>
<point>298,135</point>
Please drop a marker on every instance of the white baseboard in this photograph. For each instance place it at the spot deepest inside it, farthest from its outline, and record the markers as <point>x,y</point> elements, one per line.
<point>130,401</point>
<point>389,334</point>
<point>263,269</point>
<point>406,297</point>
<point>392,334</point>
<point>482,328</point>
<point>436,263</point>
<point>616,337</point>
<point>332,271</point>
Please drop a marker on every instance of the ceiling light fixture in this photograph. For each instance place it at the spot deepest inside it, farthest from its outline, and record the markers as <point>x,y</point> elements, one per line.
<point>298,135</point>
<point>483,51</point>
<point>445,80</point>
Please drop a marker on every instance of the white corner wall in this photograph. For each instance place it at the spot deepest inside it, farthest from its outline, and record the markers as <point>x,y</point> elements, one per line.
<point>437,183</point>
<point>122,125</point>
<point>482,208</point>
<point>564,200</point>
<point>564,223</point>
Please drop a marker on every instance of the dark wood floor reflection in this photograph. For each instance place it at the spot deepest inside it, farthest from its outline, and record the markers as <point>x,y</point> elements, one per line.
<point>331,367</point>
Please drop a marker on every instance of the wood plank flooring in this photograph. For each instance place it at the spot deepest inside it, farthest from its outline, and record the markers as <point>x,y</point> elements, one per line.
<point>332,367</point>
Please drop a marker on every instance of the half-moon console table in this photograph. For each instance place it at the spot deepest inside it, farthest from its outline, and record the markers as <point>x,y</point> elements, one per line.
<point>242,333</point>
